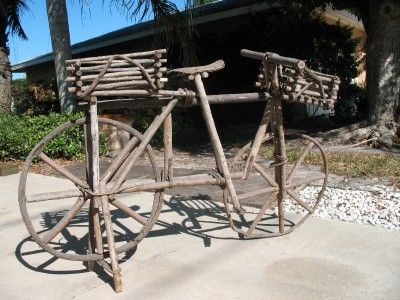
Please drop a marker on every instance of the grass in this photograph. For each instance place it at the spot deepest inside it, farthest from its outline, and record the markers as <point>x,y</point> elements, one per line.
<point>349,164</point>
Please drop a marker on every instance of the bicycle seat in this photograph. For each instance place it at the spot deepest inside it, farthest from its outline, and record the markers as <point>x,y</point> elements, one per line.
<point>215,66</point>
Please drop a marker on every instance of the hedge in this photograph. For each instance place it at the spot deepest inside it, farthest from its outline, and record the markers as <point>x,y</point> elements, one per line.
<point>19,134</point>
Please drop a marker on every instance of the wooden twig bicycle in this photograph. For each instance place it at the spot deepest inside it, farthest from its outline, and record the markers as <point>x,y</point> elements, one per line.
<point>140,78</point>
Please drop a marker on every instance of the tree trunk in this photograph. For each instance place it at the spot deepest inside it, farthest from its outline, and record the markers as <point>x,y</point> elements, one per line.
<point>59,31</point>
<point>5,80</point>
<point>5,68</point>
<point>383,62</point>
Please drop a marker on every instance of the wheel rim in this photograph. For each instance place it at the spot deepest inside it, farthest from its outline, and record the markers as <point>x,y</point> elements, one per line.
<point>155,209</point>
<point>254,225</point>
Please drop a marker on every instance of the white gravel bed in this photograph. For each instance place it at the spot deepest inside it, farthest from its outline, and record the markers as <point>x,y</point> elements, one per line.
<point>373,204</point>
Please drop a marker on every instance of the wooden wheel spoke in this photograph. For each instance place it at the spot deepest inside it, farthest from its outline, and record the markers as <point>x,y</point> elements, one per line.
<point>111,241</point>
<point>265,175</point>
<point>299,160</point>
<point>258,192</point>
<point>268,203</point>
<point>52,196</point>
<point>305,181</point>
<point>134,215</point>
<point>63,171</point>
<point>64,221</point>
<point>299,201</point>
<point>120,159</point>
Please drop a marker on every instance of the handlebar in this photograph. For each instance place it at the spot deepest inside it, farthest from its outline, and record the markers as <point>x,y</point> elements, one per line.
<point>275,58</point>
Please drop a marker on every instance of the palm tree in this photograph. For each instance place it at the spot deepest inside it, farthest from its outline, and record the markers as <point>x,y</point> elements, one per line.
<point>10,10</point>
<point>60,41</point>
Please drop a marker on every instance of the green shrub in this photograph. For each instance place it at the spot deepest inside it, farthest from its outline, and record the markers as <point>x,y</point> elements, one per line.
<point>19,134</point>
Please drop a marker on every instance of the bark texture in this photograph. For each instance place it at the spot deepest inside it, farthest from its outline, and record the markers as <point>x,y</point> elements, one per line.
<point>60,40</point>
<point>5,68</point>
<point>5,81</point>
<point>383,62</point>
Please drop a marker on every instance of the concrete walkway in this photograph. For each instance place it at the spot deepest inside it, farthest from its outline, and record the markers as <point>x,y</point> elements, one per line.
<point>192,254</point>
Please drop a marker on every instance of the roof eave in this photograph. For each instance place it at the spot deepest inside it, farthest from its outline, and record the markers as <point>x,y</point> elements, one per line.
<point>147,29</point>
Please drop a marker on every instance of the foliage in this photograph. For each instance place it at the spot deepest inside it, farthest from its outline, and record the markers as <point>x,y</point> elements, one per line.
<point>10,11</point>
<point>19,134</point>
<point>10,22</point>
<point>34,98</point>
<point>304,7</point>
<point>43,91</point>
<point>326,48</point>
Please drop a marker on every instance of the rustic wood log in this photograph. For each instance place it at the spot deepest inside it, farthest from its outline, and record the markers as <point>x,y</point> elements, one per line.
<point>95,235</point>
<point>147,136</point>
<point>302,82</point>
<point>256,193</point>
<point>40,197</point>
<point>219,155</point>
<point>168,154</point>
<point>131,92</point>
<point>91,238</point>
<point>265,175</point>
<point>115,79</point>
<point>274,58</point>
<point>97,229</point>
<point>114,67</point>
<point>280,159</point>
<point>267,204</point>
<point>116,270</point>
<point>63,171</point>
<point>299,201</point>
<point>130,55</point>
<point>121,157</point>
<point>301,158</point>
<point>292,73</point>
<point>295,89</point>
<point>88,66</point>
<point>215,66</point>
<point>154,102</point>
<point>116,85</point>
<point>256,144</point>
<point>131,72</point>
<point>104,265</point>
<point>130,186</point>
<point>117,61</point>
<point>134,215</point>
<point>307,180</point>
<point>325,103</point>
<point>51,234</point>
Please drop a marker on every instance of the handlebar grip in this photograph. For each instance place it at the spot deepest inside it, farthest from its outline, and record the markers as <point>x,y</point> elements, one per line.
<point>275,58</point>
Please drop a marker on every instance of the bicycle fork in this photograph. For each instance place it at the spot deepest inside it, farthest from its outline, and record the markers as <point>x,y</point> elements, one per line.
<point>272,115</point>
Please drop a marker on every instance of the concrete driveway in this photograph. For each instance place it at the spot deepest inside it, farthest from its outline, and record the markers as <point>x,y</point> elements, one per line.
<point>192,254</point>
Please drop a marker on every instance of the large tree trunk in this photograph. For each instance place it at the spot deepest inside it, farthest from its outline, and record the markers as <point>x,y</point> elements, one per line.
<point>5,80</point>
<point>383,62</point>
<point>59,31</point>
<point>5,68</point>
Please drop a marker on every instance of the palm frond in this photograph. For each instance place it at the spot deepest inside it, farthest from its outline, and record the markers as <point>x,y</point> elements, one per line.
<point>174,26</point>
<point>15,8</point>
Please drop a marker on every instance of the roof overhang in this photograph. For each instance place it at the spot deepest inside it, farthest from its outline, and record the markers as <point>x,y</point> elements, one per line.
<point>206,13</point>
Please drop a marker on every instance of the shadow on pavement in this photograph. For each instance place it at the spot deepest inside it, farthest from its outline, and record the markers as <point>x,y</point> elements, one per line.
<point>202,218</point>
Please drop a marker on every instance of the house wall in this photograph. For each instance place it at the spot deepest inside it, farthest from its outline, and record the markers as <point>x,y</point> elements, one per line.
<point>46,71</point>
<point>42,72</point>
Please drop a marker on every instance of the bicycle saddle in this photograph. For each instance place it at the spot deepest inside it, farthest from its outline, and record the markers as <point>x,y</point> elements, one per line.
<point>215,66</point>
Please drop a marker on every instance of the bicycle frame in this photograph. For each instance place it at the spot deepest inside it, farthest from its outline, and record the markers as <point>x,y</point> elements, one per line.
<point>143,75</point>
